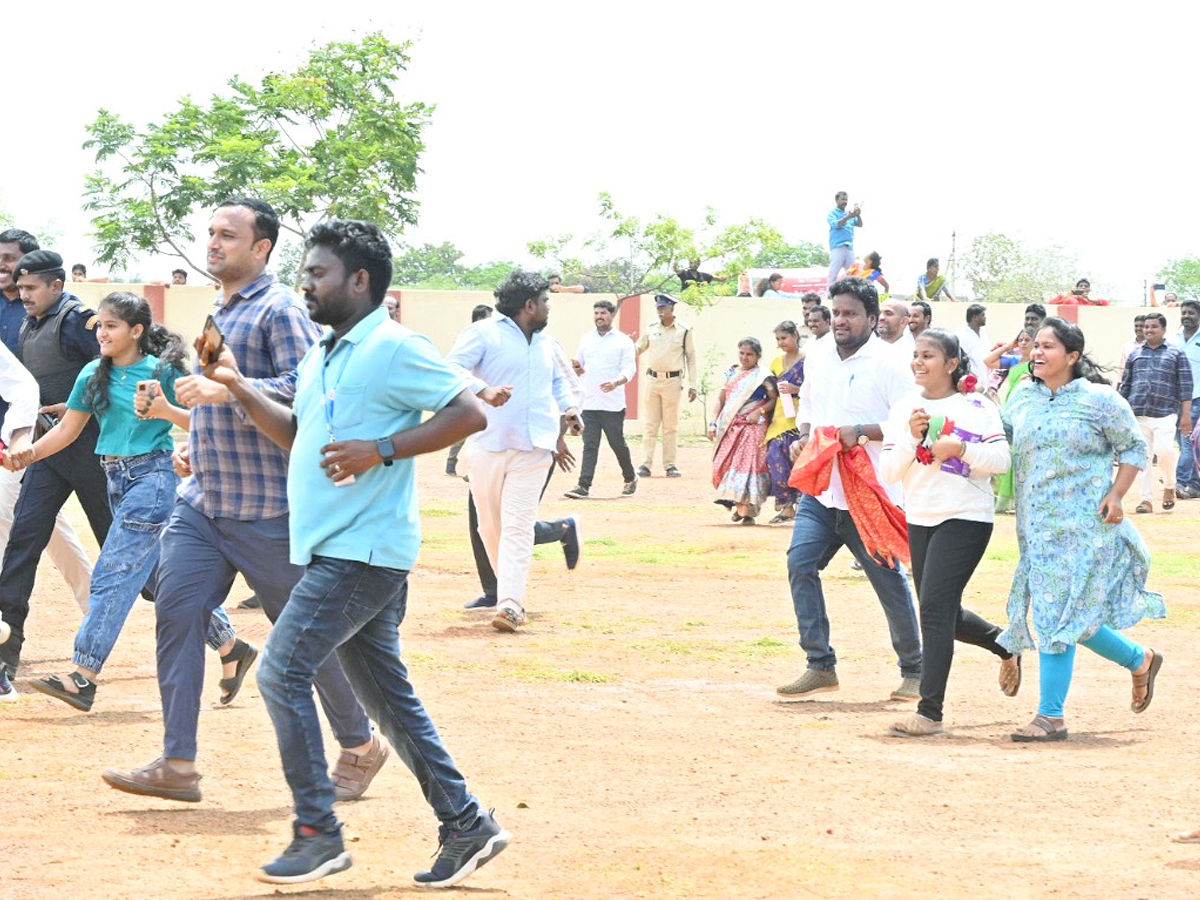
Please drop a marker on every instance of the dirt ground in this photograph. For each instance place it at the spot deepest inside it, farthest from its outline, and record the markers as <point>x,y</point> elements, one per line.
<point>630,738</point>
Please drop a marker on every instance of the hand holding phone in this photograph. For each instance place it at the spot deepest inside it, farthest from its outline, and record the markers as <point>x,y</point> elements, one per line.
<point>210,342</point>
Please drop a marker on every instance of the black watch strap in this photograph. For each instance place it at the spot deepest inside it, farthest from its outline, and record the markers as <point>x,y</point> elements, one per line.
<point>386,450</point>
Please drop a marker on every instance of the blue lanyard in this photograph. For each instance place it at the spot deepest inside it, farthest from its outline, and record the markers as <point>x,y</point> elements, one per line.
<point>330,395</point>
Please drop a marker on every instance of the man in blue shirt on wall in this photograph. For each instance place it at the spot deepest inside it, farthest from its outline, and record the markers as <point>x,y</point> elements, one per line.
<point>352,433</point>
<point>841,234</point>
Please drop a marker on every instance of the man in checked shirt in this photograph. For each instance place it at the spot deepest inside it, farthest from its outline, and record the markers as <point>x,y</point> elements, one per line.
<point>231,515</point>
<point>1157,382</point>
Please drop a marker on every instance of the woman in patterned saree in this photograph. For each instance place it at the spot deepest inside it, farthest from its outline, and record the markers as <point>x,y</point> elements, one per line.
<point>738,429</point>
<point>1082,567</point>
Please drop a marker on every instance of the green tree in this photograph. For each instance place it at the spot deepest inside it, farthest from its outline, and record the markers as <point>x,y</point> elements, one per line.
<point>630,256</point>
<point>329,140</point>
<point>791,256</point>
<point>1182,276</point>
<point>1004,270</point>
<point>438,268</point>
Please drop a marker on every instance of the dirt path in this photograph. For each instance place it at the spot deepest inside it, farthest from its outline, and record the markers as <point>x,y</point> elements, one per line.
<point>630,738</point>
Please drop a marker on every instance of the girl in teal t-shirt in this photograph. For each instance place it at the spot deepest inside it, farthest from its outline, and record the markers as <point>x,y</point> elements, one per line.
<point>135,448</point>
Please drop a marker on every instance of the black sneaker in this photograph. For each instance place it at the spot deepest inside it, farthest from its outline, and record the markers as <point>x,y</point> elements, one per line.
<point>462,852</point>
<point>571,542</point>
<point>643,471</point>
<point>251,602</point>
<point>8,693</point>
<point>630,488</point>
<point>484,602</point>
<point>310,856</point>
<point>579,492</point>
<point>673,472</point>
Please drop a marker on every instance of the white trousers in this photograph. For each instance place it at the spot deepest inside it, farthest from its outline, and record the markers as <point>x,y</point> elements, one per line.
<point>840,258</point>
<point>64,548</point>
<point>507,486</point>
<point>1160,436</point>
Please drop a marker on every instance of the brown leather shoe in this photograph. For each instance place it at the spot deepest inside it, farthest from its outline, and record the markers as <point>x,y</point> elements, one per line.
<point>157,779</point>
<point>1168,498</point>
<point>354,771</point>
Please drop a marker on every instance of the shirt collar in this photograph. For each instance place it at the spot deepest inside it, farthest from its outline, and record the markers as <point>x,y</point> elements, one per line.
<point>358,333</point>
<point>249,292</point>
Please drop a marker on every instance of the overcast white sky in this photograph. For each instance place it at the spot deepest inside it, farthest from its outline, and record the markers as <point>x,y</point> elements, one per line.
<point>1052,122</point>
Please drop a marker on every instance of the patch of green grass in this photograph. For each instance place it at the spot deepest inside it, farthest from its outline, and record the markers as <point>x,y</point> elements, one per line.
<point>440,512</point>
<point>526,670</point>
<point>697,624</point>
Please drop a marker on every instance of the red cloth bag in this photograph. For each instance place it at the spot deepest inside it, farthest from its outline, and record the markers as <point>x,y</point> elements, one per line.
<point>880,523</point>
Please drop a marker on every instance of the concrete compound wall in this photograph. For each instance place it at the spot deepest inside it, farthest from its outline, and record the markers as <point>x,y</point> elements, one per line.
<point>718,328</point>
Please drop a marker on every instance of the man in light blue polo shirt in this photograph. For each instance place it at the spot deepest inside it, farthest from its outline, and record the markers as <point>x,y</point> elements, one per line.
<point>1187,481</point>
<point>352,433</point>
<point>841,235</point>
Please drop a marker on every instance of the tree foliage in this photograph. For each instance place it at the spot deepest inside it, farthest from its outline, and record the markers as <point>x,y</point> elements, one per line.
<point>630,256</point>
<point>437,268</point>
<point>791,256</point>
<point>329,140</point>
<point>1004,270</point>
<point>1182,276</point>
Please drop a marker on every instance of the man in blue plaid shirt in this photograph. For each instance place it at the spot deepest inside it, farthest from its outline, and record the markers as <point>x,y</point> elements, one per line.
<point>231,515</point>
<point>1157,382</point>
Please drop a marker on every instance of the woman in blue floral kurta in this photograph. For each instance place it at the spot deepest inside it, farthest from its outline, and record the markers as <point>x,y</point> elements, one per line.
<point>1083,567</point>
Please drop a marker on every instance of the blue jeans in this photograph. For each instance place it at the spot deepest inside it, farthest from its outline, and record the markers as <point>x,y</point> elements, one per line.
<point>1185,473</point>
<point>141,493</point>
<point>198,559</point>
<point>819,532</point>
<point>355,609</point>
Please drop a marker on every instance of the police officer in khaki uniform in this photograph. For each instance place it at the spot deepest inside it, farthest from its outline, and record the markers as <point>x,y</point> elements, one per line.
<point>665,352</point>
<point>58,338</point>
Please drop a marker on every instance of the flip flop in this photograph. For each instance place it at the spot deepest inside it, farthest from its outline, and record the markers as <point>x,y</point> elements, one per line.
<point>1187,837</point>
<point>1050,732</point>
<point>245,654</point>
<point>1147,681</point>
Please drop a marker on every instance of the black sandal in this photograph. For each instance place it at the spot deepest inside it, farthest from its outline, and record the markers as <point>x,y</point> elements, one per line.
<point>54,687</point>
<point>244,655</point>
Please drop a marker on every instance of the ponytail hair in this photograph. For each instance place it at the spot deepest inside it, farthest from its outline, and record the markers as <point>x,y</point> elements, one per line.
<point>948,343</point>
<point>155,340</point>
<point>1070,336</point>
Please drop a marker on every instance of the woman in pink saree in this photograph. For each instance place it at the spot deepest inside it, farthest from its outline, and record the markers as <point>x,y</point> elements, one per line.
<point>738,429</point>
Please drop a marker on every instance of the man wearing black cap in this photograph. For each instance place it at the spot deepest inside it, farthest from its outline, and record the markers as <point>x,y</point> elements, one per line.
<point>58,338</point>
<point>669,349</point>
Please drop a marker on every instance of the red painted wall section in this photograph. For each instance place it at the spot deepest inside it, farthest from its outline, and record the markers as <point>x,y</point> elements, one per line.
<point>1070,313</point>
<point>155,295</point>
<point>629,320</point>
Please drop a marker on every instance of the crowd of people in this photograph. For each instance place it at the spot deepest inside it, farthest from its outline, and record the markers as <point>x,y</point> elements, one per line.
<point>881,433</point>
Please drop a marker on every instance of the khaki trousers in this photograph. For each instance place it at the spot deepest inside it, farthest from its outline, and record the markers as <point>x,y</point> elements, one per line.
<point>662,409</point>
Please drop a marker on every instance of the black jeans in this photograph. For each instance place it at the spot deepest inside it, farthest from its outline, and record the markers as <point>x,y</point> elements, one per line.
<point>612,424</point>
<point>544,532</point>
<point>943,559</point>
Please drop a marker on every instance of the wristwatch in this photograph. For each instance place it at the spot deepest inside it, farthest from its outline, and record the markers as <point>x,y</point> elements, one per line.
<point>385,449</point>
<point>863,440</point>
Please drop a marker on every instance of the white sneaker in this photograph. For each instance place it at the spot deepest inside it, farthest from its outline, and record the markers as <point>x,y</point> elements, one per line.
<point>8,693</point>
<point>509,616</point>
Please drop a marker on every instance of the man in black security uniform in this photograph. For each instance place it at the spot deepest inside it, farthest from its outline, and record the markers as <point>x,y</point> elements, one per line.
<point>58,338</point>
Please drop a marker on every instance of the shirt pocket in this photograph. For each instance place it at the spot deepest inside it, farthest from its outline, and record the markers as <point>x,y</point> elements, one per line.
<point>349,406</point>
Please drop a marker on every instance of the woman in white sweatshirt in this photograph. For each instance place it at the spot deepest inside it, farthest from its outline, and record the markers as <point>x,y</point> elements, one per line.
<point>945,442</point>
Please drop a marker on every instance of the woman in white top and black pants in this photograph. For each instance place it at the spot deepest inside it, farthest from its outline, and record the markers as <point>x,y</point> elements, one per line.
<point>945,442</point>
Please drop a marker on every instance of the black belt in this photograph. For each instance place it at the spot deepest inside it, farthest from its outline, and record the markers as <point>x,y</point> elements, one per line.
<point>674,374</point>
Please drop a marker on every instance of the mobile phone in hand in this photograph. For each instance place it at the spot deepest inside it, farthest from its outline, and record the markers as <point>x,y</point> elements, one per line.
<point>212,342</point>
